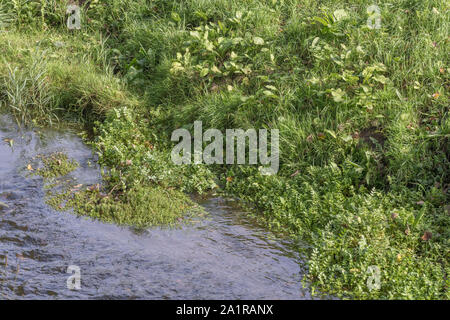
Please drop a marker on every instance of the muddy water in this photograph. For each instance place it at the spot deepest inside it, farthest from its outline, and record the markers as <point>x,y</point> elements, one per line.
<point>222,257</point>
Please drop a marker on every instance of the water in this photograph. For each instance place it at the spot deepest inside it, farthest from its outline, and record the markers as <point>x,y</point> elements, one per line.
<point>222,257</point>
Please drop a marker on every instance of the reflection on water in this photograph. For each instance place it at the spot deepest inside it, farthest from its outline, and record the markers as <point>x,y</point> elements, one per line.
<point>222,257</point>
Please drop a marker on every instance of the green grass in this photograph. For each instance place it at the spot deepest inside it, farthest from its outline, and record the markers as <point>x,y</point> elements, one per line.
<point>362,113</point>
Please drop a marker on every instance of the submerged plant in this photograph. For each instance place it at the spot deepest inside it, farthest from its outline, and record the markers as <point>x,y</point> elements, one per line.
<point>56,165</point>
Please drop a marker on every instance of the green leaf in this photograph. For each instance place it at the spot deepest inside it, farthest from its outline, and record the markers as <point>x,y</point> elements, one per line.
<point>175,16</point>
<point>209,45</point>
<point>316,39</point>
<point>202,15</point>
<point>340,14</point>
<point>195,34</point>
<point>204,72</point>
<point>331,133</point>
<point>258,41</point>
<point>222,26</point>
<point>215,69</point>
<point>337,95</point>
<point>347,138</point>
<point>380,78</point>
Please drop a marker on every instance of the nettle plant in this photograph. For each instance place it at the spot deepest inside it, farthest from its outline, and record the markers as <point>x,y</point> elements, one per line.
<point>353,78</point>
<point>222,53</point>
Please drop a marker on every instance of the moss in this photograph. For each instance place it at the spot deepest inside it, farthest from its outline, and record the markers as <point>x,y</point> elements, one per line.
<point>141,206</point>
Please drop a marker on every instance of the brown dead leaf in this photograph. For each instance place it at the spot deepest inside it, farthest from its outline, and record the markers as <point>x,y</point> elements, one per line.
<point>295,173</point>
<point>148,145</point>
<point>94,187</point>
<point>20,256</point>
<point>426,236</point>
<point>76,188</point>
<point>9,141</point>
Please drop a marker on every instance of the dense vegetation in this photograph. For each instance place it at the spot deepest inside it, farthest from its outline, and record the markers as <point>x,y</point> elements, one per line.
<point>362,112</point>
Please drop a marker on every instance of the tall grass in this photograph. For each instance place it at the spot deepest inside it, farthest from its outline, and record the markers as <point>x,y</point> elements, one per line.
<point>27,92</point>
<point>5,17</point>
<point>44,82</point>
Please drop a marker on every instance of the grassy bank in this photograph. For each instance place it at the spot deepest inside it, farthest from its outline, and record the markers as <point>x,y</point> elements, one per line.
<point>362,114</point>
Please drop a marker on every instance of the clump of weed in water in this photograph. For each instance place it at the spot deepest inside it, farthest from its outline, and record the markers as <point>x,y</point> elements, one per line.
<point>140,206</point>
<point>56,165</point>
